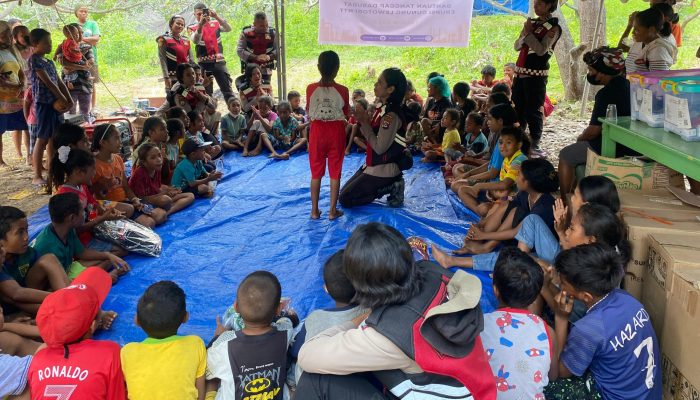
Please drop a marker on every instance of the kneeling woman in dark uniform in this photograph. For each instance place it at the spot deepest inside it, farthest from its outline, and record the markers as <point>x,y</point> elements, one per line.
<point>386,145</point>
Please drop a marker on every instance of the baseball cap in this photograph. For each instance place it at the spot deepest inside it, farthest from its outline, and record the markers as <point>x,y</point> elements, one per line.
<point>193,144</point>
<point>66,314</point>
<point>453,326</point>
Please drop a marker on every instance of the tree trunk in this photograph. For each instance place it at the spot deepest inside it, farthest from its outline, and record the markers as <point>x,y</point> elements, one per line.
<point>563,56</point>
<point>569,57</point>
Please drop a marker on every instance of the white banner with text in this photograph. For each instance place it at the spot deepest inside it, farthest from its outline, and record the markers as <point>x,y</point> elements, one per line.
<point>425,23</point>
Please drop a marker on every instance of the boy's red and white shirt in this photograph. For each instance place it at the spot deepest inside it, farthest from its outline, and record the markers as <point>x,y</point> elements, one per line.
<point>327,102</point>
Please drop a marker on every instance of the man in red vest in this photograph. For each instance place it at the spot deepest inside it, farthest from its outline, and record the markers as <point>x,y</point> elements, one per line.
<point>258,45</point>
<point>206,35</point>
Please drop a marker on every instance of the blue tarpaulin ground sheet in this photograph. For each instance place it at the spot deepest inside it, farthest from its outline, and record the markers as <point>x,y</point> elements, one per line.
<point>259,219</point>
<point>484,8</point>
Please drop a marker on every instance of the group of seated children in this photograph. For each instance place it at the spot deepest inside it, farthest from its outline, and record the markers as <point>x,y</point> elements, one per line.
<point>528,358</point>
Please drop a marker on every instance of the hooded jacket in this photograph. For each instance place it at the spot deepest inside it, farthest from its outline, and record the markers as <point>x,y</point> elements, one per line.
<point>428,348</point>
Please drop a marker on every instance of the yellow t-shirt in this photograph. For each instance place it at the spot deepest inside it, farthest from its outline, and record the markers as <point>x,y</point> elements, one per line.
<point>450,139</point>
<point>511,166</point>
<point>164,369</point>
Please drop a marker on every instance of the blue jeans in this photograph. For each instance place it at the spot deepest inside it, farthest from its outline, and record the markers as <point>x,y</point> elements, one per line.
<point>535,234</point>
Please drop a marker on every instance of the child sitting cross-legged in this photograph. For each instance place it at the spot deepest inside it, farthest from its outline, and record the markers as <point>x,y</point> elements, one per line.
<point>260,123</point>
<point>165,365</point>
<point>475,145</point>
<point>497,117</point>
<point>450,148</point>
<point>338,286</point>
<point>612,351</point>
<point>536,183</point>
<point>520,346</point>
<point>260,347</point>
<point>110,183</point>
<point>24,272</point>
<point>66,321</point>
<point>61,239</point>
<point>511,144</point>
<point>72,171</point>
<point>190,175</point>
<point>233,126</point>
<point>285,133</point>
<point>146,182</point>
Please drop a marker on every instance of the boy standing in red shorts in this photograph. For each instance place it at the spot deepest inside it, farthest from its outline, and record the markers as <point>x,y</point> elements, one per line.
<point>327,105</point>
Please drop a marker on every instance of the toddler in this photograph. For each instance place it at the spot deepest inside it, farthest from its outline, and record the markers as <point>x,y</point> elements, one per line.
<point>450,147</point>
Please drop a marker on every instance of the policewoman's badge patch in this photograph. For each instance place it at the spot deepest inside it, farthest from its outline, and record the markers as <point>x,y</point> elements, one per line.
<point>386,121</point>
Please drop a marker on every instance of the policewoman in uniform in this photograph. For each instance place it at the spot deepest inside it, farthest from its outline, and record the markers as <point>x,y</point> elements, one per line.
<point>386,146</point>
<point>536,45</point>
<point>173,49</point>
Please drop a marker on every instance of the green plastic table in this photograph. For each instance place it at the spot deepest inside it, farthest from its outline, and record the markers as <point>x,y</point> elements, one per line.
<point>664,147</point>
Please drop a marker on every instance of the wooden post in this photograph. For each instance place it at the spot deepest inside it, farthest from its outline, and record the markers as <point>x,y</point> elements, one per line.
<point>594,45</point>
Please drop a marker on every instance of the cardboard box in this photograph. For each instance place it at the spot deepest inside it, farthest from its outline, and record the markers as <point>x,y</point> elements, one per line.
<point>667,253</point>
<point>680,349</point>
<point>632,173</point>
<point>640,223</point>
<point>661,199</point>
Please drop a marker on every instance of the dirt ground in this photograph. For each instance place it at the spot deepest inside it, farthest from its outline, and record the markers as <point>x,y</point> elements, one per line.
<point>16,189</point>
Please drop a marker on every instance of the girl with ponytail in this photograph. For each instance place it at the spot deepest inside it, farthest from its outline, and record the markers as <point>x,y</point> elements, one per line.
<point>651,50</point>
<point>71,171</point>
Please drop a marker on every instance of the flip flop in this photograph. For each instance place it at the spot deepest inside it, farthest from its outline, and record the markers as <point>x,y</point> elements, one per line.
<point>420,248</point>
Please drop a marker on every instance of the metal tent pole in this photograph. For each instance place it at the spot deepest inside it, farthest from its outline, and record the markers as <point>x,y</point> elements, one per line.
<point>283,50</point>
<point>596,34</point>
<point>277,38</point>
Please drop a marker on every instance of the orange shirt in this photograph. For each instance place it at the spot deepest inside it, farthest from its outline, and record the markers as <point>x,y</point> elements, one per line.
<point>111,174</point>
<point>676,32</point>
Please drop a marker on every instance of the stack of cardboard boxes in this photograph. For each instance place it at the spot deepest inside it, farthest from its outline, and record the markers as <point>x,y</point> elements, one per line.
<point>664,274</point>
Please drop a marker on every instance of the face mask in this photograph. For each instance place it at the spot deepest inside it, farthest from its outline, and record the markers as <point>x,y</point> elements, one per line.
<point>592,79</point>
